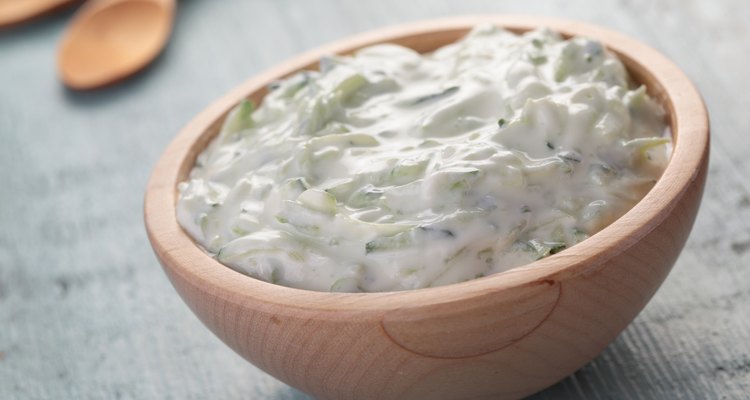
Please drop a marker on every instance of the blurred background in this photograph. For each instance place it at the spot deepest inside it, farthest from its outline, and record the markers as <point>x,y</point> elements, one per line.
<point>87,313</point>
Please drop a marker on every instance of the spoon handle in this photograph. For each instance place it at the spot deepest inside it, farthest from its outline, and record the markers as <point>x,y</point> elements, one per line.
<point>13,13</point>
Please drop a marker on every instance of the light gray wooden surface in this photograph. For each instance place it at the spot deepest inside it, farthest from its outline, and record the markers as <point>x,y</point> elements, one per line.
<point>86,312</point>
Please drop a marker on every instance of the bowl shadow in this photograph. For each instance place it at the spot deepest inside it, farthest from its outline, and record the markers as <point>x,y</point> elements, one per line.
<point>620,371</point>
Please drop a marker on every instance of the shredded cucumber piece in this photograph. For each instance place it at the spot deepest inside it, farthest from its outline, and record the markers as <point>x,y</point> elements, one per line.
<point>389,243</point>
<point>406,171</point>
<point>351,282</point>
<point>345,285</point>
<point>303,219</point>
<point>318,200</point>
<point>455,179</point>
<point>541,249</point>
<point>376,228</point>
<point>601,173</point>
<point>290,87</point>
<point>644,144</point>
<point>239,119</point>
<point>340,84</point>
<point>343,140</point>
<point>366,196</point>
<point>408,238</point>
<point>350,85</point>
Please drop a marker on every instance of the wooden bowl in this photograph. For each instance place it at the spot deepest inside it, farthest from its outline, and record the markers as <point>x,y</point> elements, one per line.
<point>498,337</point>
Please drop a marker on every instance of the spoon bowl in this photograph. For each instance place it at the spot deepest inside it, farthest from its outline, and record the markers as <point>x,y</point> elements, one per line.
<point>110,40</point>
<point>503,336</point>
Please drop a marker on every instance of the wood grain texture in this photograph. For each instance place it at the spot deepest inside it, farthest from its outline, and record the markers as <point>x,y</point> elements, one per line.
<point>85,312</point>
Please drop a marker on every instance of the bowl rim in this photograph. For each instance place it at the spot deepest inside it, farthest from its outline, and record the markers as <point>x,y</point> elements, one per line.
<point>686,112</point>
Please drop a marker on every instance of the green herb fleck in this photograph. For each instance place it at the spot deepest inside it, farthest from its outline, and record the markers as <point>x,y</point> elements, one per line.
<point>447,92</point>
<point>441,232</point>
<point>501,122</point>
<point>486,255</point>
<point>570,156</point>
<point>273,86</point>
<point>388,243</point>
<point>557,248</point>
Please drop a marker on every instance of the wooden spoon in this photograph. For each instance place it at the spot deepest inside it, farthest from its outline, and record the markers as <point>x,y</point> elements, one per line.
<point>14,12</point>
<point>109,40</point>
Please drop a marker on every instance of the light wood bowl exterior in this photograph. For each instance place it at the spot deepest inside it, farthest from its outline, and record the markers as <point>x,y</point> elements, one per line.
<point>499,337</point>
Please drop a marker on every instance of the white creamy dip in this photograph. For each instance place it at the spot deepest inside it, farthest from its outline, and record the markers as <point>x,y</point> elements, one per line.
<point>390,170</point>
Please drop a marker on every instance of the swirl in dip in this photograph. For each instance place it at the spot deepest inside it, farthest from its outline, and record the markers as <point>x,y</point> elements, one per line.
<point>390,170</point>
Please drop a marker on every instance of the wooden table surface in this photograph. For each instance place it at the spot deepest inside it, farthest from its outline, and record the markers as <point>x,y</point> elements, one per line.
<point>86,312</point>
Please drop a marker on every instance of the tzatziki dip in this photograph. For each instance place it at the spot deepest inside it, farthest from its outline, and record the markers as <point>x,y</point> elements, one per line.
<point>390,170</point>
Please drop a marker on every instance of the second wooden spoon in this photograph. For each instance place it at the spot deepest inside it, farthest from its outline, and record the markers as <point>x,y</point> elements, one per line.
<point>16,12</point>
